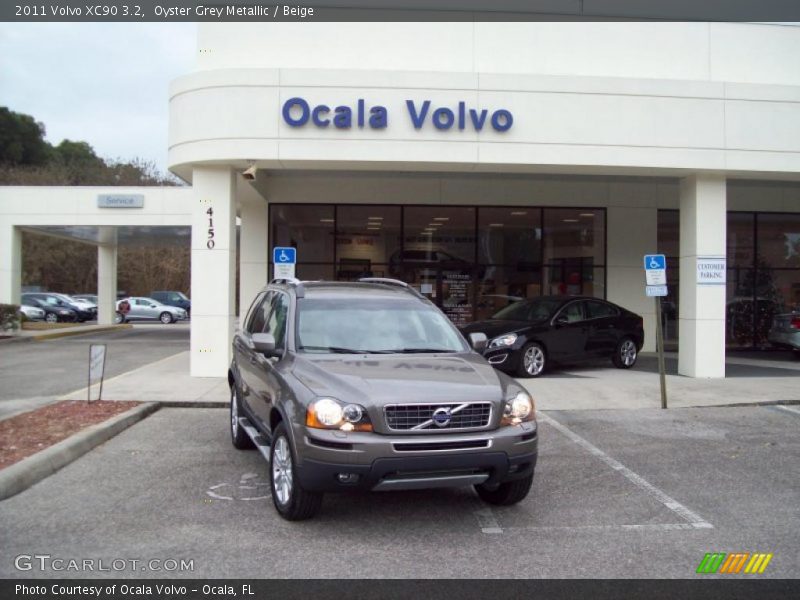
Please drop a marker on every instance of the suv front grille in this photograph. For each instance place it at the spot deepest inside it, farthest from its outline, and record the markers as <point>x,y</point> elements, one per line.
<point>444,416</point>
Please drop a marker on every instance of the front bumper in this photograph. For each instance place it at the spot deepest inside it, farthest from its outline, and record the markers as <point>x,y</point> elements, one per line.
<point>369,461</point>
<point>505,359</point>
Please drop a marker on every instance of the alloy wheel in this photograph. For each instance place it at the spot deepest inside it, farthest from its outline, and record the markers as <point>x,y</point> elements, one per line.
<point>534,360</point>
<point>282,471</point>
<point>51,318</point>
<point>627,353</point>
<point>234,411</point>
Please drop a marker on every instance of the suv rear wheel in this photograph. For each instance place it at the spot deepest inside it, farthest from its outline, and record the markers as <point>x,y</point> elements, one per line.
<point>506,493</point>
<point>291,501</point>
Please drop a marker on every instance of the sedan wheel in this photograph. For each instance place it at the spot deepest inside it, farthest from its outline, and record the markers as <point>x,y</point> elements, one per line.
<point>533,360</point>
<point>166,318</point>
<point>51,318</point>
<point>626,354</point>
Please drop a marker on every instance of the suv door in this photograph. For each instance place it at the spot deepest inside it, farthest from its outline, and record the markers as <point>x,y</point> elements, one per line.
<point>569,333</point>
<point>267,377</point>
<point>246,355</point>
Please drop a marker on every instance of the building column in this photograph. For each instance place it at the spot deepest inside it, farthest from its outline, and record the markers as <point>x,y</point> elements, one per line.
<point>701,324</point>
<point>10,264</point>
<point>632,233</point>
<point>213,271</point>
<point>107,276</point>
<point>254,247</point>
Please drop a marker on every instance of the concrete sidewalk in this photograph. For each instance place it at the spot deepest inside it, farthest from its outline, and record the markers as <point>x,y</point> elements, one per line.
<point>594,386</point>
<point>63,330</point>
<point>166,381</point>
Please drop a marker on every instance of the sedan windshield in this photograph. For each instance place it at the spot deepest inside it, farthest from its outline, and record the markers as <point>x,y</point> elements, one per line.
<point>528,310</point>
<point>384,326</point>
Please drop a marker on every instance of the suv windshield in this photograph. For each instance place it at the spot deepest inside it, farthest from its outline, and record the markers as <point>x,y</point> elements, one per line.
<point>386,325</point>
<point>528,310</point>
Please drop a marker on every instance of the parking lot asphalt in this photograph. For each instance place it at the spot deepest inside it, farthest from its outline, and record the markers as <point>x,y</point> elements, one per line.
<point>37,372</point>
<point>622,493</point>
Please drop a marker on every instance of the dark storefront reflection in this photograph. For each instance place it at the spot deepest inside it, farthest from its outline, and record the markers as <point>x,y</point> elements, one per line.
<point>763,279</point>
<point>470,261</point>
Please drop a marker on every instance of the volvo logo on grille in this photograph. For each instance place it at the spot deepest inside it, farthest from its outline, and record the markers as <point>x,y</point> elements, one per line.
<point>442,416</point>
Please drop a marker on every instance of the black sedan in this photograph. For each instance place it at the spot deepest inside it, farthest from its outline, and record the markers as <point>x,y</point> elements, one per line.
<point>52,313</point>
<point>528,336</point>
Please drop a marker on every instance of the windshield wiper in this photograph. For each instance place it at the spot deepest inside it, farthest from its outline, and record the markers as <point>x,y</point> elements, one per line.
<point>338,350</point>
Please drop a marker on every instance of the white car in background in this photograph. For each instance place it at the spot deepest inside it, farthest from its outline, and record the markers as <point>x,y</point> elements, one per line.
<point>147,309</point>
<point>32,313</point>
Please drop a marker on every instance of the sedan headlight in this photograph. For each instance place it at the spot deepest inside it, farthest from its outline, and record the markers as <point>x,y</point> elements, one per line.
<point>504,341</point>
<point>327,413</point>
<point>519,408</point>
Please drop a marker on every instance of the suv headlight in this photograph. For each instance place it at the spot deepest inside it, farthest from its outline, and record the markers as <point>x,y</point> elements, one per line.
<point>327,413</point>
<point>519,408</point>
<point>504,341</point>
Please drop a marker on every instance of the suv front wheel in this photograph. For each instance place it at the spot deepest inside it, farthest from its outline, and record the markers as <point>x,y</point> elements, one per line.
<point>506,493</point>
<point>291,501</point>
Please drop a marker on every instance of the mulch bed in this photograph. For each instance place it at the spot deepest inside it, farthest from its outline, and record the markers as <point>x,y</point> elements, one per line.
<point>30,432</point>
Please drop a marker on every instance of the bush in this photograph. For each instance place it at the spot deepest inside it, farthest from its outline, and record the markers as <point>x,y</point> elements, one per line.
<point>9,317</point>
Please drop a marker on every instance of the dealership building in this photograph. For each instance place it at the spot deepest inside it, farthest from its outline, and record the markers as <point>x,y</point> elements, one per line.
<point>480,162</point>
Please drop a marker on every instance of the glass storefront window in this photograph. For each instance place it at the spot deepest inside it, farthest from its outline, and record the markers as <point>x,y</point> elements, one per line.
<point>510,236</point>
<point>307,227</point>
<point>438,234</point>
<point>779,240</point>
<point>366,238</point>
<point>500,286</point>
<point>741,240</point>
<point>669,228</point>
<point>574,234</point>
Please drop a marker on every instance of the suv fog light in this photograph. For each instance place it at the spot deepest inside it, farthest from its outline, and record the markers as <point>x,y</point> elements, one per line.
<point>347,477</point>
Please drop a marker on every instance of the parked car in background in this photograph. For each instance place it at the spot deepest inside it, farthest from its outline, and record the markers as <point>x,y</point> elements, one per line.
<point>172,298</point>
<point>54,310</point>
<point>526,337</point>
<point>785,331</point>
<point>32,313</point>
<point>148,309</point>
<point>87,297</point>
<point>87,310</point>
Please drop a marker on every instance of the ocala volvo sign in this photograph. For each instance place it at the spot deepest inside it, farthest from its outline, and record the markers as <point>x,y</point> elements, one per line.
<point>297,112</point>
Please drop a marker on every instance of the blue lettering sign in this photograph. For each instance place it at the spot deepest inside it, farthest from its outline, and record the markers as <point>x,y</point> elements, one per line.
<point>287,112</point>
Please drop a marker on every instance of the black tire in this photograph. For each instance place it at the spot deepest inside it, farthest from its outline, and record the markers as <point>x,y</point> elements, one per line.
<point>533,365</point>
<point>507,493</point>
<point>51,318</point>
<point>119,318</point>
<point>625,354</point>
<point>166,318</point>
<point>300,504</point>
<point>239,437</point>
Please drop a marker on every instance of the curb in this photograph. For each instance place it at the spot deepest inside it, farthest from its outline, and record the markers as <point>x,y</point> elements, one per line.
<point>22,475</point>
<point>59,334</point>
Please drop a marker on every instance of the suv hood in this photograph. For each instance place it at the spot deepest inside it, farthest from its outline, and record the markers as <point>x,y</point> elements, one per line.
<point>376,380</point>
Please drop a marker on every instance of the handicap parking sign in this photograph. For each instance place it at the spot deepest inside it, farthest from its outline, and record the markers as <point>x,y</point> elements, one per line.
<point>284,255</point>
<point>655,262</point>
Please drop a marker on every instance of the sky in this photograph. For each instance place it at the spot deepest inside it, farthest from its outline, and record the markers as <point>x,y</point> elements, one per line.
<point>106,84</point>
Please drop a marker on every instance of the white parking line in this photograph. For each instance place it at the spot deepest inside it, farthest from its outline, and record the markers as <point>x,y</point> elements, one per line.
<point>641,527</point>
<point>695,520</point>
<point>788,409</point>
<point>487,521</point>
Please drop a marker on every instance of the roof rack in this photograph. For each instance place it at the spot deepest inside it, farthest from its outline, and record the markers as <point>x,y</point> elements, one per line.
<point>390,281</point>
<point>300,290</point>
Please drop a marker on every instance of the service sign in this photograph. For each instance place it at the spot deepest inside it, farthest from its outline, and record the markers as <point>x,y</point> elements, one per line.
<point>711,270</point>
<point>120,201</point>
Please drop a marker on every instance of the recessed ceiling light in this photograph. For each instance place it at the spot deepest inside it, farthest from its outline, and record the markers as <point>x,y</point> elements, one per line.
<point>518,213</point>
<point>495,224</point>
<point>586,214</point>
<point>326,220</point>
<point>441,218</point>
<point>426,233</point>
<point>373,228</point>
<point>374,218</point>
<point>570,220</point>
<point>435,224</point>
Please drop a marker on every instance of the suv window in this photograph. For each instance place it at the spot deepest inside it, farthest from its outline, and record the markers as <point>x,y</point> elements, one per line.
<point>597,310</point>
<point>276,323</point>
<point>260,313</point>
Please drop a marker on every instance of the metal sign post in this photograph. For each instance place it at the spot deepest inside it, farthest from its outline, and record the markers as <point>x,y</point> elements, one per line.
<point>655,269</point>
<point>97,368</point>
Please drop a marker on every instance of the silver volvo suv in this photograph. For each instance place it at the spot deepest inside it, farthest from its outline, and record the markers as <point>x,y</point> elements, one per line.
<point>368,386</point>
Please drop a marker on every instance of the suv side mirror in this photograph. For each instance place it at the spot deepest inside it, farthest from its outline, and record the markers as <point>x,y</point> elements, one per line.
<point>264,343</point>
<point>478,341</point>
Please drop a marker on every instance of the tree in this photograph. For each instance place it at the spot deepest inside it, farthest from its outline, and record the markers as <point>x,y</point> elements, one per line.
<point>22,140</point>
